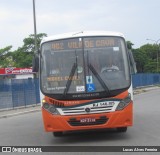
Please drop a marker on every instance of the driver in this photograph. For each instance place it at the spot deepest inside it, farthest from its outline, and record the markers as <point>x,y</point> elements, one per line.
<point>109,65</point>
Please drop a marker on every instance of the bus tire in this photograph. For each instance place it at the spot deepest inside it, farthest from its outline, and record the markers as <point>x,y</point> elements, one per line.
<point>122,129</point>
<point>57,134</point>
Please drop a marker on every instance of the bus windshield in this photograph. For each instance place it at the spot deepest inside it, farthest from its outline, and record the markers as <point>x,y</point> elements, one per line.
<point>73,68</point>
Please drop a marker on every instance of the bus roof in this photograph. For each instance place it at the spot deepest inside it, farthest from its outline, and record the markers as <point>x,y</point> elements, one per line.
<point>82,34</point>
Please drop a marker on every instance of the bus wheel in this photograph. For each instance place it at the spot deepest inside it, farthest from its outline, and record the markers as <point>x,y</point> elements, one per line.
<point>122,129</point>
<point>57,134</point>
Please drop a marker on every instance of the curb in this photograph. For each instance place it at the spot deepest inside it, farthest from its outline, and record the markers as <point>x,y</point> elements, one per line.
<point>18,113</point>
<point>140,90</point>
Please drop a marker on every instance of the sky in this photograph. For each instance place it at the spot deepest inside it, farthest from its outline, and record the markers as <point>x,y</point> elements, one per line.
<point>136,19</point>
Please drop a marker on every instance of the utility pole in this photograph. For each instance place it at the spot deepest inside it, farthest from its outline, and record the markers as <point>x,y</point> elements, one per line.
<point>35,36</point>
<point>35,30</point>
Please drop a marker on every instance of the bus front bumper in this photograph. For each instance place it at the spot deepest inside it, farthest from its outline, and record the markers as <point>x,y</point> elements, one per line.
<point>59,123</point>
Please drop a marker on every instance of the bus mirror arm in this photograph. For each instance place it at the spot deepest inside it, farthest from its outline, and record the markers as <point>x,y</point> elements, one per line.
<point>132,63</point>
<point>35,62</point>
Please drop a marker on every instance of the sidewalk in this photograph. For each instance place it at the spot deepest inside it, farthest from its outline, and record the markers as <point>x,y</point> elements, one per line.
<point>19,111</point>
<point>144,89</point>
<point>36,108</point>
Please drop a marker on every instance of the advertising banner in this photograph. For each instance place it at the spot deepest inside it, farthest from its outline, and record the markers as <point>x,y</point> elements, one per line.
<point>14,70</point>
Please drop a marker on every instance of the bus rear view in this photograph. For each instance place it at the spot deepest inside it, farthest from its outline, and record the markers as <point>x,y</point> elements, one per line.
<point>85,78</point>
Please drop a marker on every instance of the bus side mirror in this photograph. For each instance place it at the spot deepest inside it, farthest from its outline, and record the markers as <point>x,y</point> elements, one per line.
<point>132,63</point>
<point>35,63</point>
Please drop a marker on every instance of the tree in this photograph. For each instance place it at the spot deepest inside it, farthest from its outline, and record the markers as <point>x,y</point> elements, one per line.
<point>6,57</point>
<point>29,44</point>
<point>22,57</point>
<point>150,50</point>
<point>150,67</point>
<point>146,58</point>
<point>140,59</point>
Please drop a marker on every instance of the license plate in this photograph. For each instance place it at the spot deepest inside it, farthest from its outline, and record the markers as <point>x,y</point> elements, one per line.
<point>87,120</point>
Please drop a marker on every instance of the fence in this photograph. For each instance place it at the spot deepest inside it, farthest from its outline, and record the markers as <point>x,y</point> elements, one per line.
<point>24,92</point>
<point>145,79</point>
<point>19,92</point>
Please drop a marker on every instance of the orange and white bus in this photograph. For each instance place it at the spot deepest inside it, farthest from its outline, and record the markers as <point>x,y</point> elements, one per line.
<point>86,81</point>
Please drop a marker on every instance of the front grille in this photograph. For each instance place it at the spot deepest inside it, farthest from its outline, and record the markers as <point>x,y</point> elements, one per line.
<point>101,120</point>
<point>83,109</point>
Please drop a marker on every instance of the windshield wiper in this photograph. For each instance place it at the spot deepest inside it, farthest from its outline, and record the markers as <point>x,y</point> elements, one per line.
<point>99,78</point>
<point>69,81</point>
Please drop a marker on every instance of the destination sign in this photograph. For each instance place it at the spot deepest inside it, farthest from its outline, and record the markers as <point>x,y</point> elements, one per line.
<point>87,43</point>
<point>60,78</point>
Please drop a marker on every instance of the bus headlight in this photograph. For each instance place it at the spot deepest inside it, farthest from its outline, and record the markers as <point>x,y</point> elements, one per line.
<point>123,103</point>
<point>50,108</point>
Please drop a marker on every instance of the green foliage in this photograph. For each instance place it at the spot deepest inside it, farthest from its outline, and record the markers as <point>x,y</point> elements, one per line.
<point>150,50</point>
<point>140,59</point>
<point>29,43</point>
<point>146,58</point>
<point>6,57</point>
<point>22,57</point>
<point>151,66</point>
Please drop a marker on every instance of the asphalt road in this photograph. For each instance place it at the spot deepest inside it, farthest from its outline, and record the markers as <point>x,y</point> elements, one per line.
<point>27,129</point>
